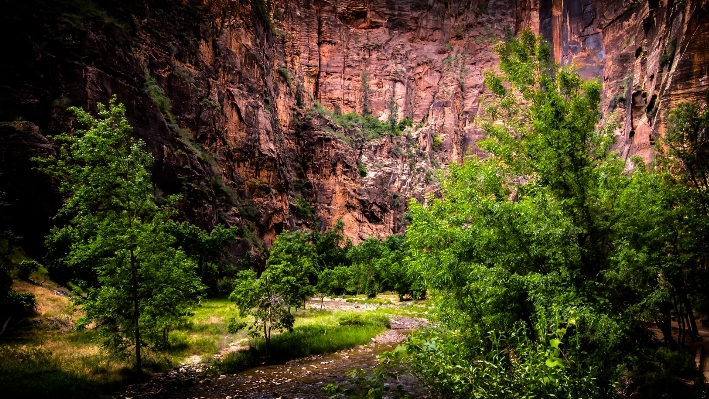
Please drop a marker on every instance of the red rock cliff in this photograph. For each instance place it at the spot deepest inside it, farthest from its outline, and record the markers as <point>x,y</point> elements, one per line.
<point>242,137</point>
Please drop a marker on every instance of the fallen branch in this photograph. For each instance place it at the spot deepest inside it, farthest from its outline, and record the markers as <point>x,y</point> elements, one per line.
<point>5,325</point>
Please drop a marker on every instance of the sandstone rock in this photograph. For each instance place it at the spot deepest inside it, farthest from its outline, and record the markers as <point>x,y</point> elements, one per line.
<point>240,140</point>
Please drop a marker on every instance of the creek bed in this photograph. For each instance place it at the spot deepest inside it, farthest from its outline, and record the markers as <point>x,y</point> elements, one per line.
<point>299,378</point>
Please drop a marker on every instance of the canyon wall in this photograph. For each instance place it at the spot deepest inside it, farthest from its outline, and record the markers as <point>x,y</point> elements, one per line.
<point>227,95</point>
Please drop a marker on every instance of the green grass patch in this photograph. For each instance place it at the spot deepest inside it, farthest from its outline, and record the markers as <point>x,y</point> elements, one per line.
<point>316,332</point>
<point>370,301</point>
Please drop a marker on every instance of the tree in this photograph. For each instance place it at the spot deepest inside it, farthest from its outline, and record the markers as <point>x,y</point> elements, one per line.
<point>331,246</point>
<point>332,282</point>
<point>145,285</point>
<point>533,249</point>
<point>365,273</point>
<point>261,297</point>
<point>206,249</point>
<point>291,267</point>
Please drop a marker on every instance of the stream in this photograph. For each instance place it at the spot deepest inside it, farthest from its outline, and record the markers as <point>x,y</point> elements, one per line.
<point>298,378</point>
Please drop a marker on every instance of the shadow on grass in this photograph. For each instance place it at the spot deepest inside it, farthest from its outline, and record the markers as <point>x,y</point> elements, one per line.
<point>35,373</point>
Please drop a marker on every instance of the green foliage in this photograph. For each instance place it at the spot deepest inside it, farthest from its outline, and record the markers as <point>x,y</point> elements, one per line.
<point>404,123</point>
<point>209,103</point>
<point>21,367</point>
<point>543,232</point>
<point>366,93</point>
<point>359,319</point>
<point>156,93</point>
<point>368,126</point>
<point>361,169</point>
<point>669,54</point>
<point>263,299</point>
<point>437,143</point>
<point>207,250</point>
<point>304,209</point>
<point>115,225</point>
<point>376,383</point>
<point>393,117</point>
<point>367,278</point>
<point>26,268</point>
<point>283,71</point>
<point>331,246</point>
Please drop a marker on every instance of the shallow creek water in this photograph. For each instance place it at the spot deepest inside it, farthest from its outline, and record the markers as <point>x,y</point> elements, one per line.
<point>301,378</point>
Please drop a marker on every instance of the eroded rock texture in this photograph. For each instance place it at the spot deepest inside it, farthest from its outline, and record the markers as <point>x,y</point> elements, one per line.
<point>649,55</point>
<point>224,93</point>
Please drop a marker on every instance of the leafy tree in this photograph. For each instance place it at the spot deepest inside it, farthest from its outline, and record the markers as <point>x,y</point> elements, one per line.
<point>145,284</point>
<point>365,273</point>
<point>331,246</point>
<point>395,270</point>
<point>326,285</point>
<point>533,248</point>
<point>206,248</point>
<point>291,266</point>
<point>262,298</point>
<point>332,282</point>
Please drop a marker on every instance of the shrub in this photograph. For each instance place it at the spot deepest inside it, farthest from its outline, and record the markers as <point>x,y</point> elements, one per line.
<point>669,54</point>
<point>437,143</point>
<point>361,169</point>
<point>156,93</point>
<point>283,71</point>
<point>26,267</point>
<point>17,303</point>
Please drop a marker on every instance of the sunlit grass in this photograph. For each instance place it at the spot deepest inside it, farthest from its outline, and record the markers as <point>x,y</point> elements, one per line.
<point>51,359</point>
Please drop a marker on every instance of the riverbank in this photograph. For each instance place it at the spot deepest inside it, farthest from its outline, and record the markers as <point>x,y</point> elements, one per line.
<point>45,355</point>
<point>298,378</point>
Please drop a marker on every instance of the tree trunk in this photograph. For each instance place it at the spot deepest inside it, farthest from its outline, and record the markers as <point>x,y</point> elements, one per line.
<point>136,314</point>
<point>690,316</point>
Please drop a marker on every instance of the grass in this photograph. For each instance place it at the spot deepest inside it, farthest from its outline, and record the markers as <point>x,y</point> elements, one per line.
<point>52,359</point>
<point>315,332</point>
<point>367,126</point>
<point>205,332</point>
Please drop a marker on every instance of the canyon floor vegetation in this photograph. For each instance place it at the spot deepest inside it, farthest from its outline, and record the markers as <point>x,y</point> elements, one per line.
<point>557,267</point>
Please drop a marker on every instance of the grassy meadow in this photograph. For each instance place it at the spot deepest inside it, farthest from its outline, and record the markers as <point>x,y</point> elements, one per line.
<point>45,355</point>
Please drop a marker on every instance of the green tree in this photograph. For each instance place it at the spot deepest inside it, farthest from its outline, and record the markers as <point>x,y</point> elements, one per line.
<point>532,248</point>
<point>331,246</point>
<point>206,249</point>
<point>145,285</point>
<point>261,297</point>
<point>366,275</point>
<point>291,267</point>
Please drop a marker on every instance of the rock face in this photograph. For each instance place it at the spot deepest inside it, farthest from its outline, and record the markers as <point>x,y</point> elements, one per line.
<point>649,56</point>
<point>226,93</point>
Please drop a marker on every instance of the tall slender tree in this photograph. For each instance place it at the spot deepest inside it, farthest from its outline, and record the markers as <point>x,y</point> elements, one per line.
<point>114,220</point>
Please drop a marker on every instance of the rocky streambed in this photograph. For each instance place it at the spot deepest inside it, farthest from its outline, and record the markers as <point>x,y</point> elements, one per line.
<point>298,378</point>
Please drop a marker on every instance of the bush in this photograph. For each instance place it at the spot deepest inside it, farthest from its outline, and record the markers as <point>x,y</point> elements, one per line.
<point>283,71</point>
<point>234,325</point>
<point>225,286</point>
<point>19,302</point>
<point>437,143</point>
<point>26,268</point>
<point>156,93</point>
<point>361,169</point>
